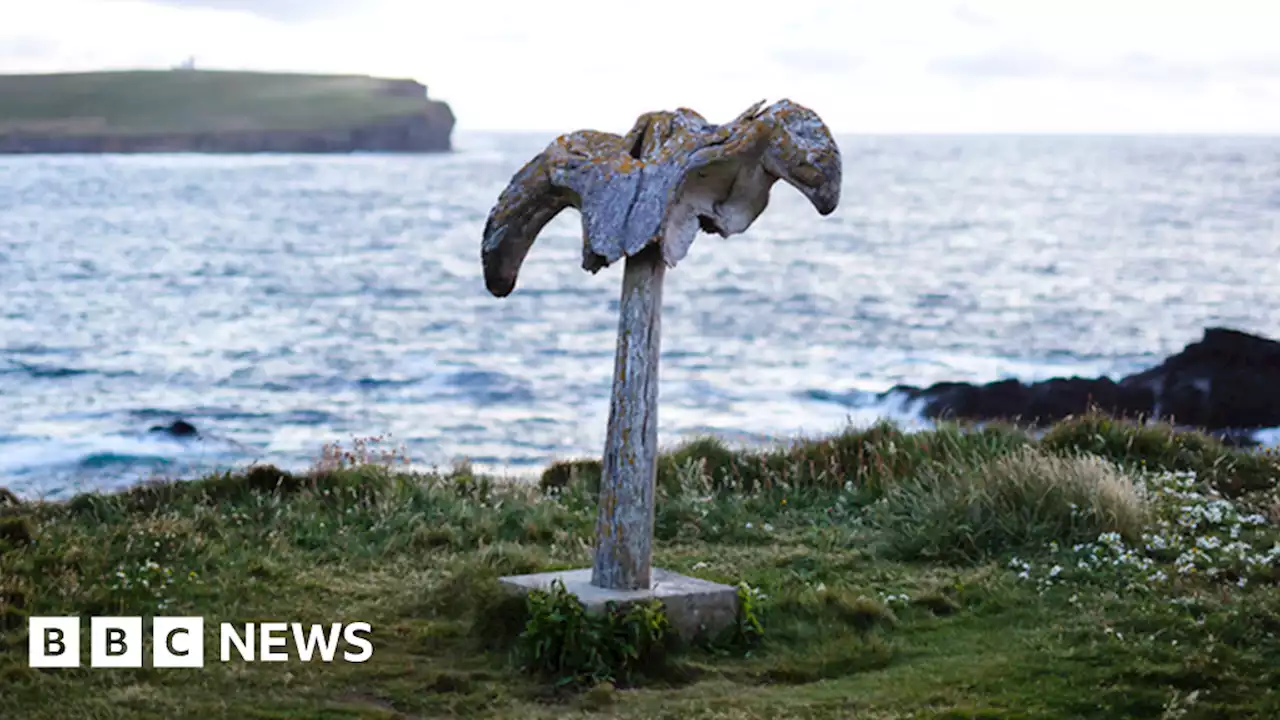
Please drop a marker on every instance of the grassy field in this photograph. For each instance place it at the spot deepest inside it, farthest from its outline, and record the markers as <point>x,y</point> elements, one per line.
<point>193,101</point>
<point>1101,571</point>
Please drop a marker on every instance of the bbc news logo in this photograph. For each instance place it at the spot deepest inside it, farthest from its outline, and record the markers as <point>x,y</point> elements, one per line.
<point>178,642</point>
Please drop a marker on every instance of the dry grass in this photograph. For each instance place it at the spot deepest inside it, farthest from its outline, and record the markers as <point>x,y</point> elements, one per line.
<point>1093,487</point>
<point>1021,499</point>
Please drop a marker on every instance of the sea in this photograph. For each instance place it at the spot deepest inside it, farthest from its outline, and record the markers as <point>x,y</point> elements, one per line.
<point>281,303</point>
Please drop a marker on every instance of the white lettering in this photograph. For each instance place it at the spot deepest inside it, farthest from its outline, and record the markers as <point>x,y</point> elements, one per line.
<point>328,645</point>
<point>243,645</point>
<point>350,634</point>
<point>268,640</point>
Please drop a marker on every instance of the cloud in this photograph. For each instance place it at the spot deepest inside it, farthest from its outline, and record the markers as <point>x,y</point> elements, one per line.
<point>1141,68</point>
<point>18,48</point>
<point>838,63</point>
<point>1260,68</point>
<point>924,66</point>
<point>969,16</point>
<point>281,10</point>
<point>1003,63</point>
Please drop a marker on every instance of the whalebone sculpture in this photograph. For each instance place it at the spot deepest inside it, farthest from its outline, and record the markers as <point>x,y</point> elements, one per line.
<point>644,197</point>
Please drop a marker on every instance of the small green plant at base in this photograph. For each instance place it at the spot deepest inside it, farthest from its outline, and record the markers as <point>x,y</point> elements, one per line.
<point>747,630</point>
<point>577,648</point>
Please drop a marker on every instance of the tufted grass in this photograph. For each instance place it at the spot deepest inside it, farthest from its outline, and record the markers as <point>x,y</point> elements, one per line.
<point>1025,499</point>
<point>937,574</point>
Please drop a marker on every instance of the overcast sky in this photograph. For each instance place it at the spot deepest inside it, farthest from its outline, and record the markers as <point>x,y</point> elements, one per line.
<point>864,65</point>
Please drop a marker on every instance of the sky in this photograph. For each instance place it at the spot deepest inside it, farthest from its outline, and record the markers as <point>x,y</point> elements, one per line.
<point>868,66</point>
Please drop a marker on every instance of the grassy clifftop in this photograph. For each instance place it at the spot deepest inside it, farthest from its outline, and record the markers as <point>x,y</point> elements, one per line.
<point>1102,571</point>
<point>119,111</point>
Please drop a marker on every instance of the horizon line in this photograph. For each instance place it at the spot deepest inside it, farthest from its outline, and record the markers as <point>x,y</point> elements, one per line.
<point>1259,134</point>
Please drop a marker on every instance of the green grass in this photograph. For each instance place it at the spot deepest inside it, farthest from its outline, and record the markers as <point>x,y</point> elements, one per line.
<point>1026,499</point>
<point>193,101</point>
<point>1103,573</point>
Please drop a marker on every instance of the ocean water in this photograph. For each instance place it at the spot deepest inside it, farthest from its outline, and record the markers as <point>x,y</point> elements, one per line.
<point>282,302</point>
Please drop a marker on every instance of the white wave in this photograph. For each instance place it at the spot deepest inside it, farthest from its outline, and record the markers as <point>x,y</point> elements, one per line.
<point>1269,437</point>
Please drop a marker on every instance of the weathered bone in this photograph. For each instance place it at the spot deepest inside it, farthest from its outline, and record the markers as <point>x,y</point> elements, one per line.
<point>672,174</point>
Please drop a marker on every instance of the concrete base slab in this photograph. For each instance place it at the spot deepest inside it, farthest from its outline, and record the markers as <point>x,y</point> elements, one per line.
<point>693,605</point>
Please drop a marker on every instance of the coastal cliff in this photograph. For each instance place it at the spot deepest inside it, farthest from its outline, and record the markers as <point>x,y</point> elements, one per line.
<point>218,112</point>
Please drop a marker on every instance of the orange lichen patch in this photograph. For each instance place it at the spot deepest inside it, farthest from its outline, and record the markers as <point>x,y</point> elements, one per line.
<point>625,163</point>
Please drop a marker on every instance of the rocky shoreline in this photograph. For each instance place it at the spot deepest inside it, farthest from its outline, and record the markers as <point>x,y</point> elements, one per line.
<point>1228,382</point>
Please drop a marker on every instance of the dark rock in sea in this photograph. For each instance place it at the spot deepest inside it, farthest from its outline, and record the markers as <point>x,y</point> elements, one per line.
<point>178,429</point>
<point>1037,403</point>
<point>1229,380</point>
